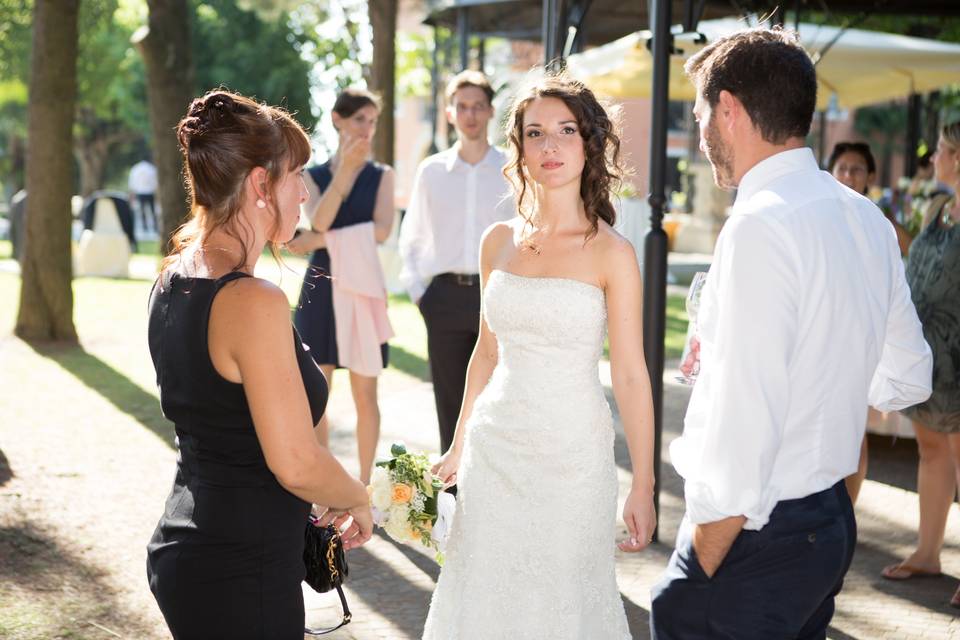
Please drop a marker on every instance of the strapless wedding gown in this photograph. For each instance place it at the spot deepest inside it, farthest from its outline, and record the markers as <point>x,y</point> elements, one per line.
<point>531,551</point>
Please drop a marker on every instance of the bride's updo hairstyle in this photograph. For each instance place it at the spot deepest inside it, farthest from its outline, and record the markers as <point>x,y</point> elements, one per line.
<point>223,137</point>
<point>602,172</point>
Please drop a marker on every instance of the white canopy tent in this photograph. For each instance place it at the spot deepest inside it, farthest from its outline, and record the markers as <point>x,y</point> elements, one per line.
<point>858,68</point>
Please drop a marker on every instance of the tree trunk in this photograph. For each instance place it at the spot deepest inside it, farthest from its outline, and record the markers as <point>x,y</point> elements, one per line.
<point>165,47</point>
<point>46,296</point>
<point>91,159</point>
<point>383,20</point>
<point>93,149</point>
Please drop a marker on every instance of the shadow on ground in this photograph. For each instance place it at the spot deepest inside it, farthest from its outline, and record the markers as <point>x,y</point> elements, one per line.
<point>49,593</point>
<point>115,387</point>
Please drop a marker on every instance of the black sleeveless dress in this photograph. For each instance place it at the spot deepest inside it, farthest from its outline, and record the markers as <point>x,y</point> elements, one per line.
<point>314,315</point>
<point>226,559</point>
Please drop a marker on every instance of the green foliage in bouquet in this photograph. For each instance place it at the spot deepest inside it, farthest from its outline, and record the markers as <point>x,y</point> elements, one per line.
<point>413,491</point>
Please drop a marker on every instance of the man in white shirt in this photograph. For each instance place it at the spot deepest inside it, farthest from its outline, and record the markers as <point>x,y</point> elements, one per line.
<point>804,319</point>
<point>456,195</point>
<point>142,183</point>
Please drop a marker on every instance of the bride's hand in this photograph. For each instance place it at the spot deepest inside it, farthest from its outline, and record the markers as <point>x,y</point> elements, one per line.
<point>448,466</point>
<point>641,520</point>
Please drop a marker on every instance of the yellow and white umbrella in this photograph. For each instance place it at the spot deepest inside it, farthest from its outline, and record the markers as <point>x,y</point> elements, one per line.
<point>859,68</point>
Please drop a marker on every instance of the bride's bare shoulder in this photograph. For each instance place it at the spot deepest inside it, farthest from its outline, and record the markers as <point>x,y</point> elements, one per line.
<point>499,235</point>
<point>610,244</point>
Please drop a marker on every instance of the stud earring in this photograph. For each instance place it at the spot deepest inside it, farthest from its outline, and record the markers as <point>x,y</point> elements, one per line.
<point>261,204</point>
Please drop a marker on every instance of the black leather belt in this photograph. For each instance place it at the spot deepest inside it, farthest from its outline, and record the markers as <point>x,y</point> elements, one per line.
<point>459,279</point>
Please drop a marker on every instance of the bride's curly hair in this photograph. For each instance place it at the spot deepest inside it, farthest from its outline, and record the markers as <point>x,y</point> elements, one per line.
<point>602,172</point>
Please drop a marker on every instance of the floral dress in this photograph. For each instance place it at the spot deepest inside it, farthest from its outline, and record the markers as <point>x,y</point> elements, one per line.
<point>933,272</point>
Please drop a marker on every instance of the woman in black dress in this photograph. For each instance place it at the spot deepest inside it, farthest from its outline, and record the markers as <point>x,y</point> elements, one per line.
<point>226,559</point>
<point>348,189</point>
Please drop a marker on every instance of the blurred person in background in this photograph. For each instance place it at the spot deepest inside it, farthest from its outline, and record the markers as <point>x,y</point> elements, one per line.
<point>351,196</point>
<point>933,272</point>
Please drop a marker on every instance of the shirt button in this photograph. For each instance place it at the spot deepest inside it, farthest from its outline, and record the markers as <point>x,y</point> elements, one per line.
<point>812,538</point>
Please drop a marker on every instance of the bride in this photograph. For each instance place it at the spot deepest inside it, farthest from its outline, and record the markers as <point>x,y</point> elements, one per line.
<point>531,552</point>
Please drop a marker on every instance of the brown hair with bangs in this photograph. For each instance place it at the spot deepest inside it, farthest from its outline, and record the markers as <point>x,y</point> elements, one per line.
<point>602,172</point>
<point>352,99</point>
<point>224,137</point>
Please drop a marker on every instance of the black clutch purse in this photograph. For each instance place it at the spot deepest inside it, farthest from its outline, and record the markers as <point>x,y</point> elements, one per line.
<point>326,566</point>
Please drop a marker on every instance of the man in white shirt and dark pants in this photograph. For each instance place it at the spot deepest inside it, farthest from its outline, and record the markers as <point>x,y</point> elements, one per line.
<point>456,195</point>
<point>142,184</point>
<point>805,317</point>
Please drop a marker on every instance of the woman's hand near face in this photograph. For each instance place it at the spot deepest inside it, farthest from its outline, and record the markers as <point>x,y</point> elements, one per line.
<point>355,153</point>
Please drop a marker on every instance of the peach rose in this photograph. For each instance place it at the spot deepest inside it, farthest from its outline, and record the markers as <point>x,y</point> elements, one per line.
<point>402,493</point>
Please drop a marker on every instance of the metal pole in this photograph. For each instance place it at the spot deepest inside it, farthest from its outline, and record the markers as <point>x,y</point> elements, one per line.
<point>550,16</point>
<point>463,33</point>
<point>932,120</point>
<point>655,244</point>
<point>482,53</point>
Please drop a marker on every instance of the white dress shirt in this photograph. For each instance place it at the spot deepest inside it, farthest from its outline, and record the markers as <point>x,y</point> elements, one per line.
<point>452,203</point>
<point>143,178</point>
<point>805,318</point>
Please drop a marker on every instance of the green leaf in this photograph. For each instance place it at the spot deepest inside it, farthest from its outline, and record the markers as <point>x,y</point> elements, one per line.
<point>398,449</point>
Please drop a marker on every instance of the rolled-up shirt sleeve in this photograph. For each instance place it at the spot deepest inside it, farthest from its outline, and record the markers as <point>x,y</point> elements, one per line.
<point>904,375</point>
<point>746,357</point>
<point>413,239</point>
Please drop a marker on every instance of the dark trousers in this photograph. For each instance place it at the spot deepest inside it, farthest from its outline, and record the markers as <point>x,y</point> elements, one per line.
<point>452,315</point>
<point>774,584</point>
<point>145,200</point>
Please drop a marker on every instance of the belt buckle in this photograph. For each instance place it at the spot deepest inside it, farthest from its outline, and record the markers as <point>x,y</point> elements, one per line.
<point>464,279</point>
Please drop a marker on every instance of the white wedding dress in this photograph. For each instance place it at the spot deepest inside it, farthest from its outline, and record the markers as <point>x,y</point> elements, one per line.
<point>531,551</point>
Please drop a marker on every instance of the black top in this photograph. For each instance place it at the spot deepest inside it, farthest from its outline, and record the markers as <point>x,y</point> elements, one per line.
<point>227,553</point>
<point>361,202</point>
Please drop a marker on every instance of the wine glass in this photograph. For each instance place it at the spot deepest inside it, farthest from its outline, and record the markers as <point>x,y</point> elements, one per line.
<point>690,359</point>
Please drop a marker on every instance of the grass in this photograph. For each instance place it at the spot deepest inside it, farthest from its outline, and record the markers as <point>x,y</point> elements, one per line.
<point>677,320</point>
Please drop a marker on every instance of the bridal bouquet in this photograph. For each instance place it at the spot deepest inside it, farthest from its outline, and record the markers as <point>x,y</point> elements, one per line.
<point>409,502</point>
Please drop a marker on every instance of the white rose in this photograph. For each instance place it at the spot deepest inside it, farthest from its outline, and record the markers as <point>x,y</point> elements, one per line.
<point>382,495</point>
<point>398,525</point>
<point>380,475</point>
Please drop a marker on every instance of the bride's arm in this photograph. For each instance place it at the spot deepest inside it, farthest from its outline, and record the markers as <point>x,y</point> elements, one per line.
<point>482,362</point>
<point>631,385</point>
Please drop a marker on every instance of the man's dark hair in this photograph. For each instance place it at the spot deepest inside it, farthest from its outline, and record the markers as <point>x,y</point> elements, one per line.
<point>860,148</point>
<point>768,72</point>
<point>925,160</point>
